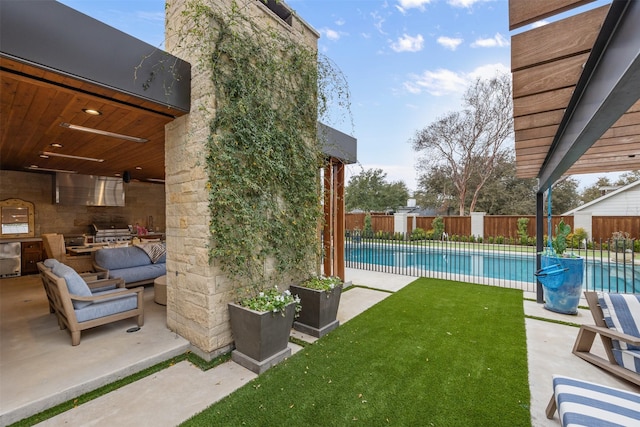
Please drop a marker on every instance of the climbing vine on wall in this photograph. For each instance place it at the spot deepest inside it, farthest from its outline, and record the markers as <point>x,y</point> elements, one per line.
<point>263,153</point>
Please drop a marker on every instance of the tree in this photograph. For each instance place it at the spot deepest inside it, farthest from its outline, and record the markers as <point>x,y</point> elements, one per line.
<point>506,194</point>
<point>593,191</point>
<point>628,177</point>
<point>502,194</point>
<point>370,191</point>
<point>469,144</point>
<point>564,196</point>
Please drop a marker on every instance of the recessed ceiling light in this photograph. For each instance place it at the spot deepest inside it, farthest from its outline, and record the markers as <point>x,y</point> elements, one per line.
<point>44,156</point>
<point>156,180</point>
<point>103,132</point>
<point>68,156</point>
<point>139,168</point>
<point>117,174</point>
<point>37,168</point>
<point>92,111</point>
<point>56,145</point>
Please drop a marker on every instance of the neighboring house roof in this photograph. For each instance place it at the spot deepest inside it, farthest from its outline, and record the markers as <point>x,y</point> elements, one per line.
<point>609,198</point>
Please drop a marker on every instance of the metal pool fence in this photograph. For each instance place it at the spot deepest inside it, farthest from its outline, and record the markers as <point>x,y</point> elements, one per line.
<point>503,265</point>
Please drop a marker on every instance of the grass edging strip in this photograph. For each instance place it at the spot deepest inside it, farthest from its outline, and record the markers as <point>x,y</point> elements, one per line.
<point>108,388</point>
<point>559,322</point>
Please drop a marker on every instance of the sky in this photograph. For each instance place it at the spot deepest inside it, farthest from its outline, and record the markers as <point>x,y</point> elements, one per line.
<point>407,63</point>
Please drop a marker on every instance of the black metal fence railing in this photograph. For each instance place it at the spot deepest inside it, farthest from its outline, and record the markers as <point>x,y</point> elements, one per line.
<point>611,265</point>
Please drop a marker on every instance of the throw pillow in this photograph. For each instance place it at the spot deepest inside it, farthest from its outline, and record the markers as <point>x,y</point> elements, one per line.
<point>75,284</point>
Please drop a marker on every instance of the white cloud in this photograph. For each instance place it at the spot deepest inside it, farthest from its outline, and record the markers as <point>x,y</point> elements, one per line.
<point>407,43</point>
<point>496,41</point>
<point>403,5</point>
<point>340,22</point>
<point>378,21</point>
<point>438,83</point>
<point>464,3</point>
<point>449,42</point>
<point>489,71</point>
<point>447,82</point>
<point>539,24</point>
<point>330,34</point>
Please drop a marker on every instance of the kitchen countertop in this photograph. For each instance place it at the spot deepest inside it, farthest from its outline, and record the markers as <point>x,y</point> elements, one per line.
<point>21,239</point>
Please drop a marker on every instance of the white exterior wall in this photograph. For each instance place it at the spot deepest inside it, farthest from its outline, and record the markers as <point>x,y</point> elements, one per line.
<point>625,203</point>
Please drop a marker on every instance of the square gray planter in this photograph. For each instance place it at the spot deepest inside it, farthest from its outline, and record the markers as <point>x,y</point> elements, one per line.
<point>261,338</point>
<point>319,310</point>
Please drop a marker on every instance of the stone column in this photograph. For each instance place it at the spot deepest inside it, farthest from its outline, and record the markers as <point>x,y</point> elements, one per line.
<point>197,291</point>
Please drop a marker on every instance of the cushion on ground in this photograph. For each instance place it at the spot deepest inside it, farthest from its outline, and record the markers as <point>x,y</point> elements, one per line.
<point>118,258</point>
<point>583,403</point>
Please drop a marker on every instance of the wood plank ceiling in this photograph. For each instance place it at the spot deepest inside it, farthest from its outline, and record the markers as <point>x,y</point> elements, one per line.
<point>546,64</point>
<point>33,104</point>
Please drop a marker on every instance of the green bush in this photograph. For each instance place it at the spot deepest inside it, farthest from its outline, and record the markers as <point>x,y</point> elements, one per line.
<point>438,227</point>
<point>398,236</point>
<point>580,234</point>
<point>430,234</point>
<point>523,225</point>
<point>418,234</point>
<point>479,239</point>
<point>382,235</point>
<point>491,240</point>
<point>368,231</point>
<point>500,240</point>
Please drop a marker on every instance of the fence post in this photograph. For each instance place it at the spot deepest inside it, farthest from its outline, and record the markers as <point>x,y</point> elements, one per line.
<point>477,224</point>
<point>400,223</point>
<point>583,220</point>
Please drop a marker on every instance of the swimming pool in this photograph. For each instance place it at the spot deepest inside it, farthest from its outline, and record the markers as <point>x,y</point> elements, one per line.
<point>457,262</point>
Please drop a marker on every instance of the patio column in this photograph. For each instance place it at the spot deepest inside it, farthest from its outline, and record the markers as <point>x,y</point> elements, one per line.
<point>334,222</point>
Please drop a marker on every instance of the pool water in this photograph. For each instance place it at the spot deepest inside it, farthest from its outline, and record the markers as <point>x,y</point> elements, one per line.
<point>511,266</point>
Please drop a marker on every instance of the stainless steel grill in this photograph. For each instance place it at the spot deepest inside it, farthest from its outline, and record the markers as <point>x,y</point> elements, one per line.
<point>111,233</point>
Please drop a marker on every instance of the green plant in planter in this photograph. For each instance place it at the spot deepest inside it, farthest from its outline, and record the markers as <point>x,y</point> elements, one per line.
<point>621,242</point>
<point>559,242</point>
<point>271,300</point>
<point>322,283</point>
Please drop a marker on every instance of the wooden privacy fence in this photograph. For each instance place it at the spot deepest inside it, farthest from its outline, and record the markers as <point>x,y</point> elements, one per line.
<point>602,227</point>
<point>355,221</point>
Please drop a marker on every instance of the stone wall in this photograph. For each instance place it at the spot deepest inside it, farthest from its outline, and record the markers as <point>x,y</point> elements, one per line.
<point>141,201</point>
<point>197,291</point>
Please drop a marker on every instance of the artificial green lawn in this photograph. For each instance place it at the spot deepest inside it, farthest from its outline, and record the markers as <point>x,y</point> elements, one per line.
<point>436,353</point>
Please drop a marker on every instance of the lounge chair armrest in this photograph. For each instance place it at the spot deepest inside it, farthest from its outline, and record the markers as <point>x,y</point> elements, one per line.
<point>98,268</point>
<point>119,293</point>
<point>98,275</point>
<point>93,284</point>
<point>613,334</point>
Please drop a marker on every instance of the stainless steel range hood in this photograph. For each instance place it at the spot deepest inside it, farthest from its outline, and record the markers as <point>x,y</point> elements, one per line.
<point>88,190</point>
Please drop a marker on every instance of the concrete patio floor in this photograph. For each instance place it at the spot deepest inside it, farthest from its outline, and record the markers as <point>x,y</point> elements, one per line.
<point>39,368</point>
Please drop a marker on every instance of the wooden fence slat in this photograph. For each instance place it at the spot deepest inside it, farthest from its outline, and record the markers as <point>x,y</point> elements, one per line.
<point>499,225</point>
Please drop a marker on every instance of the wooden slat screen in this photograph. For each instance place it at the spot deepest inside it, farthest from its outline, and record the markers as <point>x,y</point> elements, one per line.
<point>523,12</point>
